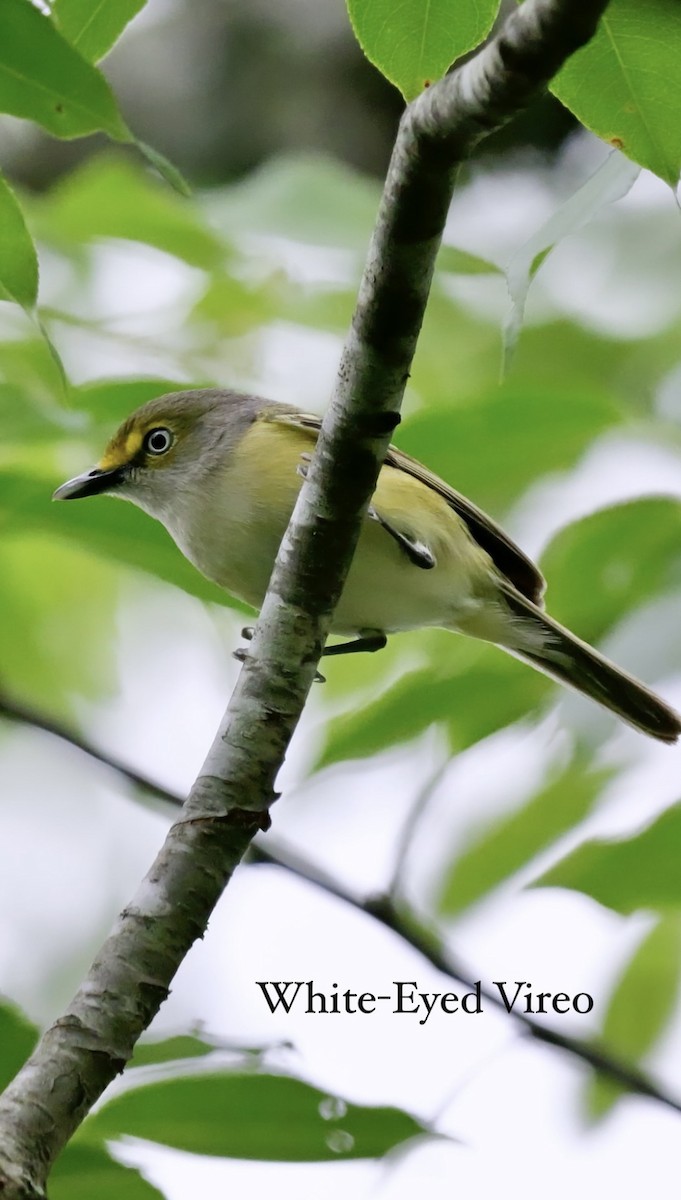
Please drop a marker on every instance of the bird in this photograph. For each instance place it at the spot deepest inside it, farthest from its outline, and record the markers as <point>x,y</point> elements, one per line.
<point>221,470</point>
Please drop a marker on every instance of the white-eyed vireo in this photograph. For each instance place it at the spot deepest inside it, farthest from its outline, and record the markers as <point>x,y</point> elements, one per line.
<point>220,470</point>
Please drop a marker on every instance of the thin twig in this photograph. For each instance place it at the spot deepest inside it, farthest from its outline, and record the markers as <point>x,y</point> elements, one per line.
<point>410,826</point>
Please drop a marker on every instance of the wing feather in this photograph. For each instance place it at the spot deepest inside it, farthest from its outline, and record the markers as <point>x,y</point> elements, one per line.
<point>508,558</point>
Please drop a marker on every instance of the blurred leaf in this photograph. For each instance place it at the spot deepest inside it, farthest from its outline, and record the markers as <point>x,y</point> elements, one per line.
<point>491,691</point>
<point>18,258</point>
<point>414,43</point>
<point>625,85</point>
<point>18,1038</point>
<point>640,1007</point>
<point>44,79</point>
<point>457,357</point>
<point>29,365</point>
<point>109,401</point>
<point>165,168</point>
<point>510,842</point>
<point>308,199</point>
<point>106,526</point>
<point>56,610</point>
<point>93,26</point>
<point>562,350</point>
<point>462,262</point>
<point>610,182</point>
<point>267,1117</point>
<point>114,197</point>
<point>601,567</point>
<point>149,1053</point>
<point>234,306</point>
<point>641,871</point>
<point>83,1172</point>
<point>25,422</point>
<point>492,451</point>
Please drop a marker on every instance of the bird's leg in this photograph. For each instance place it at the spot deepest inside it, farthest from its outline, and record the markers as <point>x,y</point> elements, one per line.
<point>368,642</point>
<point>416,552</point>
<point>242,653</point>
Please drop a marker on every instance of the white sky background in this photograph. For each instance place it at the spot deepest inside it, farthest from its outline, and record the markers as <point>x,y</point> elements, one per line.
<point>76,856</point>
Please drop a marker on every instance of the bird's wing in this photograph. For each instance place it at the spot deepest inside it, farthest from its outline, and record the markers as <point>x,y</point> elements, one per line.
<point>508,558</point>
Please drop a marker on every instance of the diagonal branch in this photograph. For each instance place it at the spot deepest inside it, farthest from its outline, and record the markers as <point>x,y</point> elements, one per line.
<point>90,1044</point>
<point>386,910</point>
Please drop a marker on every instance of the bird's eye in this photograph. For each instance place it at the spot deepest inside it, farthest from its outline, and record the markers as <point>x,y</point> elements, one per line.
<point>157,441</point>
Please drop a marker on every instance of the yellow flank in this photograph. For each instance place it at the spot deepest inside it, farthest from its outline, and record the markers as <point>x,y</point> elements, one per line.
<point>248,510</point>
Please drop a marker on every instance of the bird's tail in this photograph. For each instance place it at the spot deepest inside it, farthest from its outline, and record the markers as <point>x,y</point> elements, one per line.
<point>545,644</point>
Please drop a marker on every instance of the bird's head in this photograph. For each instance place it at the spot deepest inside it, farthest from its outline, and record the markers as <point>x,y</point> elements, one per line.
<point>166,450</point>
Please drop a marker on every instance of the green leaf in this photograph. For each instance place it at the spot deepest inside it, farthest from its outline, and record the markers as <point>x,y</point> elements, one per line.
<point>640,1007</point>
<point>82,1172</point>
<point>628,553</point>
<point>414,43</point>
<point>625,85</point>
<point>107,527</point>
<point>113,197</point>
<point>493,450</point>
<point>496,853</point>
<point>307,199</point>
<point>641,871</point>
<point>462,262</point>
<point>266,1117</point>
<point>148,1054</point>
<point>18,258</point>
<point>94,26</point>
<point>53,639</point>
<point>610,182</point>
<point>107,402</point>
<point>491,691</point>
<point>18,1038</point>
<point>44,79</point>
<point>166,169</point>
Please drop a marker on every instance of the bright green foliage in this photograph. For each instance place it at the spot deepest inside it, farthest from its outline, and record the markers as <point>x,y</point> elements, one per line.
<point>625,85</point>
<point>113,197</point>
<point>308,199</point>
<point>641,871</point>
<point>172,1049</point>
<point>93,26</point>
<point>267,1117</point>
<point>640,1007</point>
<point>83,1171</point>
<point>117,533</point>
<point>626,555</point>
<point>488,691</point>
<point>18,258</point>
<point>414,44</point>
<point>44,79</point>
<point>17,1039</point>
<point>496,852</point>
<point>490,451</point>
<point>58,629</point>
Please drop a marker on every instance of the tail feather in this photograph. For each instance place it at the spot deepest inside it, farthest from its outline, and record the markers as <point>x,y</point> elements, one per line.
<point>565,657</point>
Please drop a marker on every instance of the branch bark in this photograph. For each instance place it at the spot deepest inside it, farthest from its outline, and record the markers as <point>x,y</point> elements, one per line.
<point>229,802</point>
<point>388,910</point>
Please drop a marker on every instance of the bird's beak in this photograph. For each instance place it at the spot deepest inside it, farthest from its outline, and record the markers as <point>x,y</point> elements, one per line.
<point>90,483</point>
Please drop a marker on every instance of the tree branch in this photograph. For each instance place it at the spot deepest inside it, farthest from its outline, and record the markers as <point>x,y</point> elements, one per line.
<point>90,1044</point>
<point>387,910</point>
